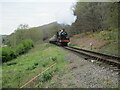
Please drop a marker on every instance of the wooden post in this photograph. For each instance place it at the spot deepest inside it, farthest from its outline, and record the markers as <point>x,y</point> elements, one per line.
<point>91,44</point>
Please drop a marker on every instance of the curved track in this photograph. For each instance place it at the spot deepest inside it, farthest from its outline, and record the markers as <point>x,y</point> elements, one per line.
<point>112,60</point>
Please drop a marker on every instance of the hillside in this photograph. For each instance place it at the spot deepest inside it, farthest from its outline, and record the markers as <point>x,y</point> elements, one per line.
<point>107,43</point>
<point>50,29</point>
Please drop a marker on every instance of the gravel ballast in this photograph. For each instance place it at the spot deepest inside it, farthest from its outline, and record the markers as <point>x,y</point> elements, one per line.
<point>85,74</point>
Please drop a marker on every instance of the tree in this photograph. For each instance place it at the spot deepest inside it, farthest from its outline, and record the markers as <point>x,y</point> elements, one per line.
<point>23,26</point>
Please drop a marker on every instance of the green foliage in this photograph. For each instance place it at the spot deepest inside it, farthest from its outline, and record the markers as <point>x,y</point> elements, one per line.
<point>44,64</point>
<point>94,16</point>
<point>31,64</point>
<point>102,33</point>
<point>20,49</point>
<point>56,69</point>
<point>28,44</point>
<point>12,63</point>
<point>23,33</point>
<point>92,35</point>
<point>38,86</point>
<point>31,67</point>
<point>24,46</point>
<point>7,54</point>
<point>108,35</point>
<point>47,76</point>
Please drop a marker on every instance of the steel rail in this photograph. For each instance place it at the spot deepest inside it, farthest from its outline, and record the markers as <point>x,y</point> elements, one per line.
<point>98,56</point>
<point>97,53</point>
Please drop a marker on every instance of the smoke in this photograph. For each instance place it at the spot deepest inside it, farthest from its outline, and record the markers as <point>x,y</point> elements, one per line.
<point>66,17</point>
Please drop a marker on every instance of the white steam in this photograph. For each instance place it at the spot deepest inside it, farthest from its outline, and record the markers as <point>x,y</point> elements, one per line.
<point>65,17</point>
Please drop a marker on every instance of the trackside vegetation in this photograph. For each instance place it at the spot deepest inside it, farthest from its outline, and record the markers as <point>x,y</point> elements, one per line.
<point>19,71</point>
<point>9,53</point>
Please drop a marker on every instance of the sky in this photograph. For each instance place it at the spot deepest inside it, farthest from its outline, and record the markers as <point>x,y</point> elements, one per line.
<point>34,14</point>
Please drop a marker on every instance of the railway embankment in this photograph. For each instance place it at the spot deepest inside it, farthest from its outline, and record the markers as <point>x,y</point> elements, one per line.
<point>25,71</point>
<point>104,42</point>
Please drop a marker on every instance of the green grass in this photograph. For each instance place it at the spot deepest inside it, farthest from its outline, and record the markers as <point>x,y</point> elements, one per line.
<point>20,70</point>
<point>111,49</point>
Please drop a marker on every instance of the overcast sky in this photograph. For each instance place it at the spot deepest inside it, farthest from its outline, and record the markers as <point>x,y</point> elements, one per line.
<point>34,14</point>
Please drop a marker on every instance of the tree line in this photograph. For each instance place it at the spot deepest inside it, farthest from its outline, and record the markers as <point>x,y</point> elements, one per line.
<point>94,16</point>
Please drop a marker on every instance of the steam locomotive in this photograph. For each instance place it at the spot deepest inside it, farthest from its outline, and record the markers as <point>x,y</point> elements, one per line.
<point>61,38</point>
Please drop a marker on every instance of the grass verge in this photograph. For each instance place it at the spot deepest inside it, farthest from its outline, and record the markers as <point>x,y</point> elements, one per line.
<point>20,70</point>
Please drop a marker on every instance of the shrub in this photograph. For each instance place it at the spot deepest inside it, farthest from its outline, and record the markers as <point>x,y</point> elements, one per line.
<point>111,36</point>
<point>24,46</point>
<point>108,35</point>
<point>47,76</point>
<point>91,35</point>
<point>102,33</point>
<point>8,54</point>
<point>20,49</point>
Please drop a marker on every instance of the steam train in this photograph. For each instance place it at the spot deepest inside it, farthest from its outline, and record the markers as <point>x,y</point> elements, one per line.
<point>60,39</point>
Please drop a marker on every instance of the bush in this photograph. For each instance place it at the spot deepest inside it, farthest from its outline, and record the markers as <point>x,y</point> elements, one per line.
<point>20,49</point>
<point>8,54</point>
<point>111,36</point>
<point>24,46</point>
<point>91,35</point>
<point>102,33</point>
<point>108,35</point>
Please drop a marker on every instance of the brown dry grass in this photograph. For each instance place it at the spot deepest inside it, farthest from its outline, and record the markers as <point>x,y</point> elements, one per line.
<point>85,42</point>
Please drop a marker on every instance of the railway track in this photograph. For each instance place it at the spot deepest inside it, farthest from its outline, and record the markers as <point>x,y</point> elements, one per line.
<point>111,60</point>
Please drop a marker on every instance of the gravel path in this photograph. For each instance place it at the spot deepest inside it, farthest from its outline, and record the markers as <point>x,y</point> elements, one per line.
<point>85,74</point>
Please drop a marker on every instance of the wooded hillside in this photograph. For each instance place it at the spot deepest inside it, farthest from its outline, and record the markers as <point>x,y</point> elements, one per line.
<point>95,16</point>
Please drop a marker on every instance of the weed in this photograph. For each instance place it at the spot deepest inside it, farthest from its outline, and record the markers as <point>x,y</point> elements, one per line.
<point>13,63</point>
<point>35,64</point>
<point>38,86</point>
<point>31,68</point>
<point>54,58</point>
<point>44,64</point>
<point>56,69</point>
<point>47,76</point>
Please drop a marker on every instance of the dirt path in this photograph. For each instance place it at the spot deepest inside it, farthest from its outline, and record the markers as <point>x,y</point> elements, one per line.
<point>85,74</point>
